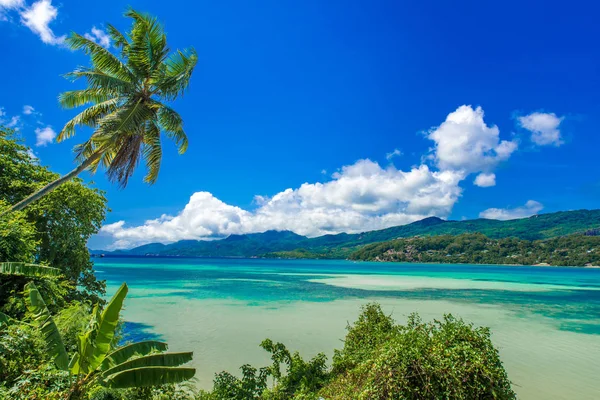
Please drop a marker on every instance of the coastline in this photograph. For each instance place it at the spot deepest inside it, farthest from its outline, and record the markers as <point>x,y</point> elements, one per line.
<point>152,256</point>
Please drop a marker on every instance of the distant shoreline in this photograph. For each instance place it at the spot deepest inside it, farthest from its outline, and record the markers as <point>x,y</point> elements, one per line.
<point>97,256</point>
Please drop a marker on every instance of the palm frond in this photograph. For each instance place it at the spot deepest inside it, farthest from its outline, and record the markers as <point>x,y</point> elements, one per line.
<point>172,124</point>
<point>152,152</point>
<point>177,73</point>
<point>102,59</point>
<point>97,79</point>
<point>148,47</point>
<point>119,40</point>
<point>76,98</point>
<point>88,117</point>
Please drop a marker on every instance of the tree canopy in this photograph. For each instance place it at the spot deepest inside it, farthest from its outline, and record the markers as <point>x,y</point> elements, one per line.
<point>54,231</point>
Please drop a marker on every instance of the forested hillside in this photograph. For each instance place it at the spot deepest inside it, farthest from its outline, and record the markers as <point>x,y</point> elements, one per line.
<point>476,248</point>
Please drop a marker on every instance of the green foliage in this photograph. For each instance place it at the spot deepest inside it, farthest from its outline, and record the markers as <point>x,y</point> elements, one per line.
<point>52,232</point>
<point>371,330</point>
<point>72,322</point>
<point>28,270</point>
<point>301,377</point>
<point>21,349</point>
<point>446,359</point>
<point>572,250</point>
<point>45,323</point>
<point>250,386</point>
<point>127,94</point>
<point>18,236</point>
<point>95,361</point>
<point>381,360</point>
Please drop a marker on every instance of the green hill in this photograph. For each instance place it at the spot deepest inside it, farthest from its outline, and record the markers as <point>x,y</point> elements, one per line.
<point>289,244</point>
<point>476,248</point>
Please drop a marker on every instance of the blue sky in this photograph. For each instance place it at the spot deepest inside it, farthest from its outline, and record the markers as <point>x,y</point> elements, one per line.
<point>313,96</point>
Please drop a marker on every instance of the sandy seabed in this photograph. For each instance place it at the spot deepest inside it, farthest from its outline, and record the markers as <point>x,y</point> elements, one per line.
<point>542,361</point>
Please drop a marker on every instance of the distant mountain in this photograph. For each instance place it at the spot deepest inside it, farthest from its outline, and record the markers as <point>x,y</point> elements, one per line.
<point>286,243</point>
<point>249,245</point>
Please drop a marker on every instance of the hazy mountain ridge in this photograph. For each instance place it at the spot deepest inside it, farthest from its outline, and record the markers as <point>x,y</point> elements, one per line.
<point>543,226</point>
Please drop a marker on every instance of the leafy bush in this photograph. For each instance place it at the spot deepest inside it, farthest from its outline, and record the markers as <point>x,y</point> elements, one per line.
<point>381,360</point>
<point>447,359</point>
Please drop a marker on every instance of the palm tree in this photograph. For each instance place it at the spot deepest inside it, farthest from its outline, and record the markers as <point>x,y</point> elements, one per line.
<point>96,361</point>
<point>127,94</point>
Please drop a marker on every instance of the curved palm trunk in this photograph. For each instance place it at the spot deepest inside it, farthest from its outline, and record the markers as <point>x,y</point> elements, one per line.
<point>53,185</point>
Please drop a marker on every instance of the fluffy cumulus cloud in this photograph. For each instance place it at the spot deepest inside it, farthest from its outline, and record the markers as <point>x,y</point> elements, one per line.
<point>38,17</point>
<point>28,110</point>
<point>359,197</point>
<point>98,36</point>
<point>485,180</point>
<point>44,136</point>
<point>464,142</point>
<point>544,128</point>
<point>362,196</point>
<point>530,208</point>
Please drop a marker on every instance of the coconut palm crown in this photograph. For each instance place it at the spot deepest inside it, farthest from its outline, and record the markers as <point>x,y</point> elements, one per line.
<point>127,96</point>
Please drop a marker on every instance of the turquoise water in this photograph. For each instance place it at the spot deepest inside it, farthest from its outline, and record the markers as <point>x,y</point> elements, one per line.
<point>545,320</point>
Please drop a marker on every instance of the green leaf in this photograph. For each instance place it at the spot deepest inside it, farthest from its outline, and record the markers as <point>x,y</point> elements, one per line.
<point>4,320</point>
<point>30,270</point>
<point>124,353</point>
<point>149,376</point>
<point>154,360</point>
<point>41,315</point>
<point>104,332</point>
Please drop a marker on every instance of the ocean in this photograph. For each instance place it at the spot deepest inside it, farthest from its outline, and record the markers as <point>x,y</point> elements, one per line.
<point>545,321</point>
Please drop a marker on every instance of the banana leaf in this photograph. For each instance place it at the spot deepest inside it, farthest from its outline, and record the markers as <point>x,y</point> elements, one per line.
<point>148,376</point>
<point>138,349</point>
<point>154,360</point>
<point>54,344</point>
<point>105,330</point>
<point>31,270</point>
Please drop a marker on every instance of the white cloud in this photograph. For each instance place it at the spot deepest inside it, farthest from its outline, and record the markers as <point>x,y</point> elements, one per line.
<point>395,153</point>
<point>98,36</point>
<point>11,4</point>
<point>363,196</point>
<point>485,180</point>
<point>465,143</point>
<point>530,208</point>
<point>360,197</point>
<point>28,110</point>
<point>44,136</point>
<point>543,127</point>
<point>38,17</point>
<point>14,122</point>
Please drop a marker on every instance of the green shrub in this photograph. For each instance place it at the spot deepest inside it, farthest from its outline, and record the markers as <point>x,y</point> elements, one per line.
<point>446,359</point>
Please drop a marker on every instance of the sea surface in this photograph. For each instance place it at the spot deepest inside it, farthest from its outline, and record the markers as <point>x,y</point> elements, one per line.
<point>545,321</point>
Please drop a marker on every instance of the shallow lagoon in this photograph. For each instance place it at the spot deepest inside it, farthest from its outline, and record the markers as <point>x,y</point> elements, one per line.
<point>544,320</point>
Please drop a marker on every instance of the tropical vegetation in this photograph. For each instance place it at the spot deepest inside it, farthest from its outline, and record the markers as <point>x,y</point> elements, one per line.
<point>128,95</point>
<point>380,360</point>
<point>476,248</point>
<point>36,344</point>
<point>53,343</point>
